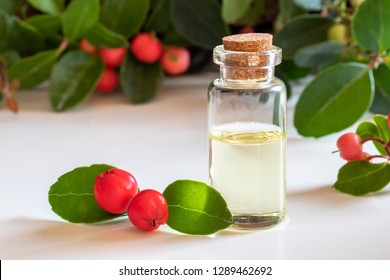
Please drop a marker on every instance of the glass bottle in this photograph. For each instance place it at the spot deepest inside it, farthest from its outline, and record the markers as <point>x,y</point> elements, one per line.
<point>247,131</point>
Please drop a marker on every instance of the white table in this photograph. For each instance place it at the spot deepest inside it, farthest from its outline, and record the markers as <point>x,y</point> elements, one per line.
<point>161,142</point>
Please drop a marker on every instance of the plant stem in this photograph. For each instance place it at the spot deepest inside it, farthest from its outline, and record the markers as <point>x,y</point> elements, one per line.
<point>378,156</point>
<point>385,145</point>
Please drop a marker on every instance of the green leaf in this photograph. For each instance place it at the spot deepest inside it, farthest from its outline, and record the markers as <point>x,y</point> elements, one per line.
<point>233,10</point>
<point>140,81</point>
<point>22,32</point>
<point>199,22</point>
<point>10,6</point>
<point>371,25</point>
<point>124,16</point>
<point>102,36</point>
<point>370,130</point>
<point>334,100</point>
<point>318,54</point>
<point>302,31</point>
<point>287,11</point>
<point>383,127</point>
<point>160,19</point>
<point>48,6</point>
<point>33,70</point>
<point>291,70</point>
<point>47,25</point>
<point>73,79</point>
<point>4,31</point>
<point>381,103</point>
<point>8,58</point>
<point>72,198</point>
<point>79,17</point>
<point>254,14</point>
<point>362,177</point>
<point>196,208</point>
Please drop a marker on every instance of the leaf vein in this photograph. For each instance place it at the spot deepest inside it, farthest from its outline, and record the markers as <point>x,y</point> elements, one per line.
<point>201,212</point>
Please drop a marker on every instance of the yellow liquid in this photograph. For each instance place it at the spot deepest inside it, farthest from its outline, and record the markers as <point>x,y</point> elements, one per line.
<point>247,167</point>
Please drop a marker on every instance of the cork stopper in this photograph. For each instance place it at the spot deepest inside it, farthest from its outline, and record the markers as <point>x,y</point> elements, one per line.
<point>246,56</point>
<point>250,42</point>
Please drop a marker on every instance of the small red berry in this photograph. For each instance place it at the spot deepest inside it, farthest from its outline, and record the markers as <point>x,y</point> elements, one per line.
<point>148,210</point>
<point>108,81</point>
<point>146,47</point>
<point>86,46</point>
<point>114,189</point>
<point>112,57</point>
<point>247,29</point>
<point>350,146</point>
<point>175,60</point>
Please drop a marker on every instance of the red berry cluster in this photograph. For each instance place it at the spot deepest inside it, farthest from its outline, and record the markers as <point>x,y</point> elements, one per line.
<point>116,191</point>
<point>146,48</point>
<point>350,146</point>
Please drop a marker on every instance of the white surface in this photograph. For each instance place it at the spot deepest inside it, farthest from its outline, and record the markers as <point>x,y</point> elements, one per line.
<point>161,142</point>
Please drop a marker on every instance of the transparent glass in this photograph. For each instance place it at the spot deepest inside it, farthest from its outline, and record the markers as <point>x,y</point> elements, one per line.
<point>247,139</point>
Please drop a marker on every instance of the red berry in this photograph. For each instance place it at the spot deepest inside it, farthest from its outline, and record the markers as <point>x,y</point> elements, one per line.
<point>148,210</point>
<point>350,146</point>
<point>175,60</point>
<point>146,47</point>
<point>112,57</point>
<point>114,189</point>
<point>247,29</point>
<point>109,80</point>
<point>86,46</point>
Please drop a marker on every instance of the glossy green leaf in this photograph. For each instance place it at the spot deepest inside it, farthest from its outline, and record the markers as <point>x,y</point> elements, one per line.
<point>33,70</point>
<point>199,22</point>
<point>48,6</point>
<point>73,79</point>
<point>334,100</point>
<point>47,25</point>
<point>371,25</point>
<point>160,18</point>
<point>381,103</point>
<point>291,70</point>
<point>72,198</point>
<point>140,81</point>
<point>233,10</point>
<point>124,16</point>
<point>196,208</point>
<point>362,177</point>
<point>10,6</point>
<point>370,130</point>
<point>79,17</point>
<point>383,127</point>
<point>104,37</point>
<point>323,53</point>
<point>21,32</point>
<point>301,32</point>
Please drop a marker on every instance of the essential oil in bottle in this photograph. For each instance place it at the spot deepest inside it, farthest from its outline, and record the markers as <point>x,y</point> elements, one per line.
<point>247,133</point>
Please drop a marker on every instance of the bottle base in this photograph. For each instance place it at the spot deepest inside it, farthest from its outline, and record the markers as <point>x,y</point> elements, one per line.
<point>247,222</point>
